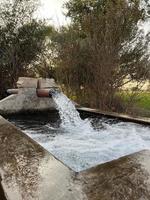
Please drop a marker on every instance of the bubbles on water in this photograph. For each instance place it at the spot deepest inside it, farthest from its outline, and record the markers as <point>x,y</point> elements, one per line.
<point>81,150</point>
<point>79,144</point>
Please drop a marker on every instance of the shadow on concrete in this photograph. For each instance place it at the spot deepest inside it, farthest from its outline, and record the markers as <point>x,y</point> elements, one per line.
<point>2,194</point>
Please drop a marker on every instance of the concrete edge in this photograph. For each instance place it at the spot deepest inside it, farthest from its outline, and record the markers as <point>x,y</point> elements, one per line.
<point>127,118</point>
<point>4,121</point>
<point>128,156</point>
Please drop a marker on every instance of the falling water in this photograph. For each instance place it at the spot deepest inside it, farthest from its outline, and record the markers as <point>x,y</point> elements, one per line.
<point>81,145</point>
<point>69,116</point>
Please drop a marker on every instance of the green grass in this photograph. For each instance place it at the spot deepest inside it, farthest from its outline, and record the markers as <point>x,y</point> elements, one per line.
<point>142,99</point>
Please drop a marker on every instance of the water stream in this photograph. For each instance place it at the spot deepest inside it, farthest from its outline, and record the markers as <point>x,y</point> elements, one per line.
<point>70,117</point>
<point>83,143</point>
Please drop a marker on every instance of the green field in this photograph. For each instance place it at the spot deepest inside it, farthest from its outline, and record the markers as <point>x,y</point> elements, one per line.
<point>143,100</point>
<point>140,104</point>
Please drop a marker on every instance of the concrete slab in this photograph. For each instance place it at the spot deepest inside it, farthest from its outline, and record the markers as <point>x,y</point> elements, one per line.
<point>127,178</point>
<point>123,117</point>
<point>25,98</point>
<point>27,82</point>
<point>47,83</point>
<point>28,172</point>
<point>25,101</point>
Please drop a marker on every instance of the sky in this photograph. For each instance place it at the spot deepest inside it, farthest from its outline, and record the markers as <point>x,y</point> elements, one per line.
<point>53,10</point>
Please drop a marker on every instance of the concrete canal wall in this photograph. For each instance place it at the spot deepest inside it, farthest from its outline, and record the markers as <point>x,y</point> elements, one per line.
<point>29,172</point>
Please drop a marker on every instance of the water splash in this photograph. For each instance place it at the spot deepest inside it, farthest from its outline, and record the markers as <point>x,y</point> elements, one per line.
<point>70,118</point>
<point>81,150</point>
<point>81,146</point>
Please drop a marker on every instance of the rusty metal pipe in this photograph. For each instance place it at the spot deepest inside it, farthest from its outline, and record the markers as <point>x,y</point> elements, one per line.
<point>47,92</point>
<point>43,93</point>
<point>12,91</point>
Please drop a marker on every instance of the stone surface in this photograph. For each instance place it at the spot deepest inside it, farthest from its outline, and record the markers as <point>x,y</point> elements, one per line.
<point>127,178</point>
<point>29,172</point>
<point>47,83</point>
<point>26,82</point>
<point>25,101</point>
<point>123,117</point>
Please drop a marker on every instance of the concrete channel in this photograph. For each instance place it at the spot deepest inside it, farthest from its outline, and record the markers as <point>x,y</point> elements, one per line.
<point>28,171</point>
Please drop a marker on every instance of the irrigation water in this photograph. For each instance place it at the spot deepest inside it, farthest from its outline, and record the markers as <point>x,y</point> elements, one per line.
<point>83,143</point>
<point>70,118</point>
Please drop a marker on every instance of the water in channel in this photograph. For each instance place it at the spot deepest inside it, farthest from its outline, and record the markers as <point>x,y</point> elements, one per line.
<point>83,143</point>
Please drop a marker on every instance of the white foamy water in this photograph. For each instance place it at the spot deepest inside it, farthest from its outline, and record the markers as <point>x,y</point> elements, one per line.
<point>70,118</point>
<point>82,150</point>
<point>79,144</point>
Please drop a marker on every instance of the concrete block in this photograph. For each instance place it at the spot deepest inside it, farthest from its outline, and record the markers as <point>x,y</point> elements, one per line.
<point>47,83</point>
<point>25,100</point>
<point>28,172</point>
<point>26,82</point>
